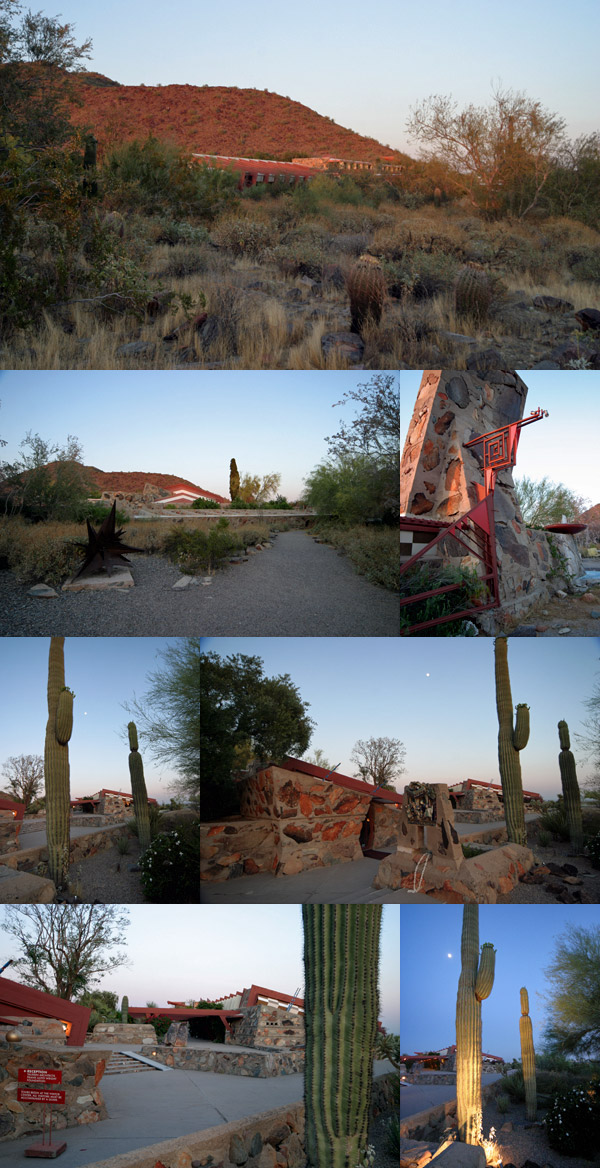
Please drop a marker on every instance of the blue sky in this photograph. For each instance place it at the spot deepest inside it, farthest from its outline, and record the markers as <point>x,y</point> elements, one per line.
<point>564,446</point>
<point>363,67</point>
<point>183,423</point>
<point>352,685</point>
<point>260,944</point>
<point>525,938</point>
<point>104,672</point>
<point>447,706</point>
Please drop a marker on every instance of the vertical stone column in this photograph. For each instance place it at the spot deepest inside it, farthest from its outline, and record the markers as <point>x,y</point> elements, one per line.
<point>438,477</point>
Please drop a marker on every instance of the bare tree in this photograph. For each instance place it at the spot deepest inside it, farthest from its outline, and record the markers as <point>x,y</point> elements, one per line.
<point>379,760</point>
<point>65,949</point>
<point>500,156</point>
<point>25,774</point>
<point>589,742</point>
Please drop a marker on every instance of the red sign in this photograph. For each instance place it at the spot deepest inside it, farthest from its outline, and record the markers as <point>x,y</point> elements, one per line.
<point>38,1075</point>
<point>33,1095</point>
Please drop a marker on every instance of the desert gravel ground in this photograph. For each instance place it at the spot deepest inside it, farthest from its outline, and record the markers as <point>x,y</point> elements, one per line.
<point>525,1142</point>
<point>105,877</point>
<point>296,588</point>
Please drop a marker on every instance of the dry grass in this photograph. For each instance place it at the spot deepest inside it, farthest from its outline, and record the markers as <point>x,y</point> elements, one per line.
<point>254,274</point>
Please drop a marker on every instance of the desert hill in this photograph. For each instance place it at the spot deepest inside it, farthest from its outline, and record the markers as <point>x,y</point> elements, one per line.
<point>134,481</point>
<point>216,120</point>
<point>592,515</point>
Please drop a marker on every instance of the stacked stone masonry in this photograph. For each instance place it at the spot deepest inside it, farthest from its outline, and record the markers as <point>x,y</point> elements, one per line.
<point>267,1026</point>
<point>439,480</point>
<point>254,1064</point>
<point>131,1033</point>
<point>82,1070</point>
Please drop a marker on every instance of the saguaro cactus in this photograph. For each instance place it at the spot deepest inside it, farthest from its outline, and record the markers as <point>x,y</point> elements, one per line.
<point>56,764</point>
<point>511,740</point>
<point>570,786</point>
<point>138,788</point>
<point>125,1010</point>
<point>234,480</point>
<point>341,957</point>
<point>367,291</point>
<point>475,984</point>
<point>527,1055</point>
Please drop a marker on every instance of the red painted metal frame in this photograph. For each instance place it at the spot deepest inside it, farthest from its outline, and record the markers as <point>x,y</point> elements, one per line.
<point>25,1002</point>
<point>499,452</point>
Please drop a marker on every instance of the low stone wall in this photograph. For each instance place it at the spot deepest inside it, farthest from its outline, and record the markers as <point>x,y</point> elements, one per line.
<point>271,1139</point>
<point>35,860</point>
<point>478,816</point>
<point>236,847</point>
<point>82,1071</point>
<point>386,836</point>
<point>431,1124</point>
<point>427,1077</point>
<point>39,1030</point>
<point>265,1026</point>
<point>254,1064</point>
<point>133,1033</point>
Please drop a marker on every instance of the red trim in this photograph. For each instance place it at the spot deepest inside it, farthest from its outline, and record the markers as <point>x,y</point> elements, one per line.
<point>494,786</point>
<point>26,1002</point>
<point>260,991</point>
<point>183,1015</point>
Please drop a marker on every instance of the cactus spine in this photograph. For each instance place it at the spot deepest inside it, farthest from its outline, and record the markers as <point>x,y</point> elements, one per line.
<point>341,957</point>
<point>527,1055</point>
<point>56,765</point>
<point>570,786</point>
<point>472,292</point>
<point>475,984</point>
<point>125,1010</point>
<point>510,742</point>
<point>138,788</point>
<point>367,291</point>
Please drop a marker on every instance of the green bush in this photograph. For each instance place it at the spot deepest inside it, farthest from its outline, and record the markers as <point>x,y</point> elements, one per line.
<point>156,177</point>
<point>554,820</point>
<point>200,549</point>
<point>206,505</point>
<point>544,839</point>
<point>503,1103</point>
<point>573,1121</point>
<point>593,850</point>
<point>423,578</point>
<point>170,867</point>
<point>373,551</point>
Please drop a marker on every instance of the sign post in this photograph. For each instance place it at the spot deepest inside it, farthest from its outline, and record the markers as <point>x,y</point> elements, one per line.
<point>37,1091</point>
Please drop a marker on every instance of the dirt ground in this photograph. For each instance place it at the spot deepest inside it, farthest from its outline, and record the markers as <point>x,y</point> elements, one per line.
<point>525,1141</point>
<point>105,877</point>
<point>558,852</point>
<point>547,618</point>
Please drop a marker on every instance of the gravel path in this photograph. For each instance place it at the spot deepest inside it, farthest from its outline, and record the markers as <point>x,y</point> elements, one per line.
<point>105,877</point>
<point>298,588</point>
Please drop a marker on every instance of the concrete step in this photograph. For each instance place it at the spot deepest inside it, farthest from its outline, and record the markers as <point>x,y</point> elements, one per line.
<point>121,1063</point>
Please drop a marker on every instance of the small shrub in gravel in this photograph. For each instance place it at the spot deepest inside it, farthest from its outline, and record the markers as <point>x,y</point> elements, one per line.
<point>170,867</point>
<point>593,850</point>
<point>573,1121</point>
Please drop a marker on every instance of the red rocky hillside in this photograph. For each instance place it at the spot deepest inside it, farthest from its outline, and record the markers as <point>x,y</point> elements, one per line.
<point>216,120</point>
<point>134,481</point>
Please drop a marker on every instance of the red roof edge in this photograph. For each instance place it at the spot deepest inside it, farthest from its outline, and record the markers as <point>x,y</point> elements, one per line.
<point>309,768</point>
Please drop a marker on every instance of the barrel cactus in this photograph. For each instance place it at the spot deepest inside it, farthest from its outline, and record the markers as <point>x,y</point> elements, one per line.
<point>527,1056</point>
<point>56,765</point>
<point>341,957</point>
<point>511,740</point>
<point>125,1010</point>
<point>474,986</point>
<point>472,292</point>
<point>138,789</point>
<point>367,291</point>
<point>570,786</point>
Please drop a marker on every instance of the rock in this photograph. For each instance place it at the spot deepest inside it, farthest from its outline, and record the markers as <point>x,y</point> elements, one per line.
<point>507,1127</point>
<point>560,592</point>
<point>561,632</point>
<point>589,597</point>
<point>553,304</point>
<point>525,631</point>
<point>267,1157</point>
<point>333,274</point>
<point>237,1151</point>
<point>24,888</point>
<point>570,869</point>
<point>588,318</point>
<point>49,593</point>
<point>572,880</point>
<point>120,578</point>
<point>136,349</point>
<point>461,1156</point>
<point>457,338</point>
<point>484,361</point>
<point>595,613</point>
<point>415,1153</point>
<point>278,1134</point>
<point>348,346</point>
<point>183,582</point>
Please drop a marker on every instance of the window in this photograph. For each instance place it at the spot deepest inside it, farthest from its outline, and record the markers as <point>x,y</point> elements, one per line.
<point>260,177</point>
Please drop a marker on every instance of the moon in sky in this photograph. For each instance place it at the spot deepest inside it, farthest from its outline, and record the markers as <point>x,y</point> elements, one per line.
<point>427,675</point>
<point>85,713</point>
<point>448,955</point>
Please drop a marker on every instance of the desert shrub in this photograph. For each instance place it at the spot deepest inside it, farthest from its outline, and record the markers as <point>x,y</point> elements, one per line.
<point>544,839</point>
<point>243,235</point>
<point>469,851</point>
<point>97,512</point>
<point>298,258</point>
<point>205,504</point>
<point>554,820</point>
<point>587,265</point>
<point>431,273</point>
<point>393,1135</point>
<point>170,867</point>
<point>156,177</point>
<point>513,1087</point>
<point>41,552</point>
<point>183,260</point>
<point>374,552</point>
<point>573,1121</point>
<point>350,243</point>
<point>423,578</point>
<point>593,850</point>
<point>199,549</point>
<point>243,504</point>
<point>172,231</point>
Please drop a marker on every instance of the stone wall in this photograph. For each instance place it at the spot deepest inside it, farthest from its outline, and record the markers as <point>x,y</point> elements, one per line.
<point>267,1026</point>
<point>431,1124</point>
<point>39,1030</point>
<point>82,1070</point>
<point>36,859</point>
<point>479,799</point>
<point>271,1139</point>
<point>254,1064</point>
<point>133,1033</point>
<point>289,822</point>
<point>439,479</point>
<point>478,816</point>
<point>387,826</point>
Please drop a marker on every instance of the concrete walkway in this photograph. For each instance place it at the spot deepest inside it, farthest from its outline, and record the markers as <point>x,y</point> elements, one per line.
<point>145,1109</point>
<point>476,830</point>
<point>350,883</point>
<point>415,1098</point>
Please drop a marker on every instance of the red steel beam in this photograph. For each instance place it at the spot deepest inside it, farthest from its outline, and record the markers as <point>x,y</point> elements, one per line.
<point>26,1002</point>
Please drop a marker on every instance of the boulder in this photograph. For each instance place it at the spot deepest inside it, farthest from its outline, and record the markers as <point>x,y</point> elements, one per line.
<point>49,593</point>
<point>24,888</point>
<point>588,318</point>
<point>461,1156</point>
<point>349,346</point>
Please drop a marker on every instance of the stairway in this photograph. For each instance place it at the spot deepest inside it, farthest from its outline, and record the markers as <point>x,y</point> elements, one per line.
<point>121,1063</point>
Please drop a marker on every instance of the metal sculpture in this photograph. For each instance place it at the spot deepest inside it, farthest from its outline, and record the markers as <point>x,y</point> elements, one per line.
<point>104,547</point>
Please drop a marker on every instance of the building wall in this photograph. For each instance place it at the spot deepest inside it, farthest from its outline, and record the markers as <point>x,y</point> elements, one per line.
<point>133,1032</point>
<point>266,1026</point>
<point>387,826</point>
<point>82,1070</point>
